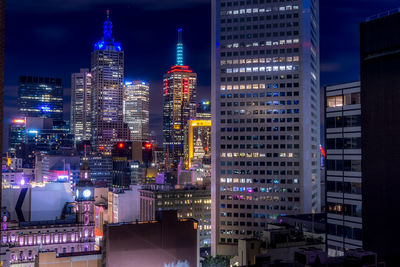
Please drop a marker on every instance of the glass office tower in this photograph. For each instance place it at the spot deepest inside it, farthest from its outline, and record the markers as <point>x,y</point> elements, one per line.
<point>81,105</point>
<point>136,110</point>
<point>40,97</point>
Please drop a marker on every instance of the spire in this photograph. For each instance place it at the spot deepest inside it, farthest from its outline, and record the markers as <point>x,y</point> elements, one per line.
<point>107,28</point>
<point>179,49</point>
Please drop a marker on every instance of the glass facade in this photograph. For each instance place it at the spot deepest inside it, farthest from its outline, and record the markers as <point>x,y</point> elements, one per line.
<point>136,110</point>
<point>40,97</point>
<point>81,98</point>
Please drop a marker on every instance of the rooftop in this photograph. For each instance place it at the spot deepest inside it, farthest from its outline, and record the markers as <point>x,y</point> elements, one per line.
<point>383,14</point>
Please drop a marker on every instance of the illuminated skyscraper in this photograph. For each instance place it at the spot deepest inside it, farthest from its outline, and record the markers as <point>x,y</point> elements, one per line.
<point>265,116</point>
<point>179,106</point>
<point>16,134</point>
<point>81,87</point>
<point>108,126</point>
<point>40,97</point>
<point>136,110</point>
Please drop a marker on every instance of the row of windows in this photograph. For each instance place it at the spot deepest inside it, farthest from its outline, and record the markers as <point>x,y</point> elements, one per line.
<point>260,69</point>
<point>256,27</point>
<point>263,181</point>
<point>255,2</point>
<point>344,187</point>
<point>261,43</point>
<point>262,95</point>
<point>249,215</point>
<point>259,35</point>
<point>256,10</point>
<point>345,231</point>
<point>344,209</point>
<point>260,52</point>
<point>243,15</point>
<point>344,143</point>
<point>259,163</point>
<point>343,100</point>
<point>344,165</point>
<point>259,172</point>
<point>263,190</point>
<point>266,207</point>
<point>343,121</point>
<point>251,86</point>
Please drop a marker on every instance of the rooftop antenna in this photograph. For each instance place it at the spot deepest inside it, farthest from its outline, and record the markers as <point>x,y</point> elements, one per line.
<point>179,49</point>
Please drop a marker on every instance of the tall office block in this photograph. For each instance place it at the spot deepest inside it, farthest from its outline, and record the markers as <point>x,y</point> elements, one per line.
<point>108,125</point>
<point>81,98</point>
<point>136,110</point>
<point>40,97</point>
<point>16,134</point>
<point>265,129</point>
<point>343,167</point>
<point>2,41</point>
<point>380,98</point>
<point>179,96</point>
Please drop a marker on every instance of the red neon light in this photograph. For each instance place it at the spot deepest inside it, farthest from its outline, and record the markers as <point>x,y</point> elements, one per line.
<point>101,148</point>
<point>148,145</point>
<point>121,145</point>
<point>180,69</point>
<point>322,151</point>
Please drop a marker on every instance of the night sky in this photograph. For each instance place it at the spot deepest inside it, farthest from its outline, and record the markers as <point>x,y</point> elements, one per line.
<point>55,38</point>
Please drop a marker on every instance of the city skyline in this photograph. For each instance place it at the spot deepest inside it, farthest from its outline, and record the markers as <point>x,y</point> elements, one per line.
<point>263,133</point>
<point>196,22</point>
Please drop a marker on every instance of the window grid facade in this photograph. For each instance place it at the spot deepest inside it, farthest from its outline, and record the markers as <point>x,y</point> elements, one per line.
<point>343,168</point>
<point>136,110</point>
<point>81,84</point>
<point>266,116</point>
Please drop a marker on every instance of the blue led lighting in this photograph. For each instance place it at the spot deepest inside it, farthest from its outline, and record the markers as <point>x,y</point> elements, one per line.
<point>45,108</point>
<point>107,42</point>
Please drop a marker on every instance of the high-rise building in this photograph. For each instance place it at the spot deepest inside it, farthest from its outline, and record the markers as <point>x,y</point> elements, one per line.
<point>101,167</point>
<point>2,41</point>
<point>136,110</point>
<point>265,113</point>
<point>203,111</point>
<point>81,98</point>
<point>343,167</point>
<point>380,127</point>
<point>40,97</point>
<point>16,134</point>
<point>179,106</point>
<point>108,125</point>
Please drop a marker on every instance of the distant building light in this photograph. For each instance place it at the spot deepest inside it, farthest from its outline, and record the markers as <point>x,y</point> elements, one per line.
<point>19,121</point>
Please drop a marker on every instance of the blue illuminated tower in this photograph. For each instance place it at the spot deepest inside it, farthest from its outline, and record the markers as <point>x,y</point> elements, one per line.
<point>107,96</point>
